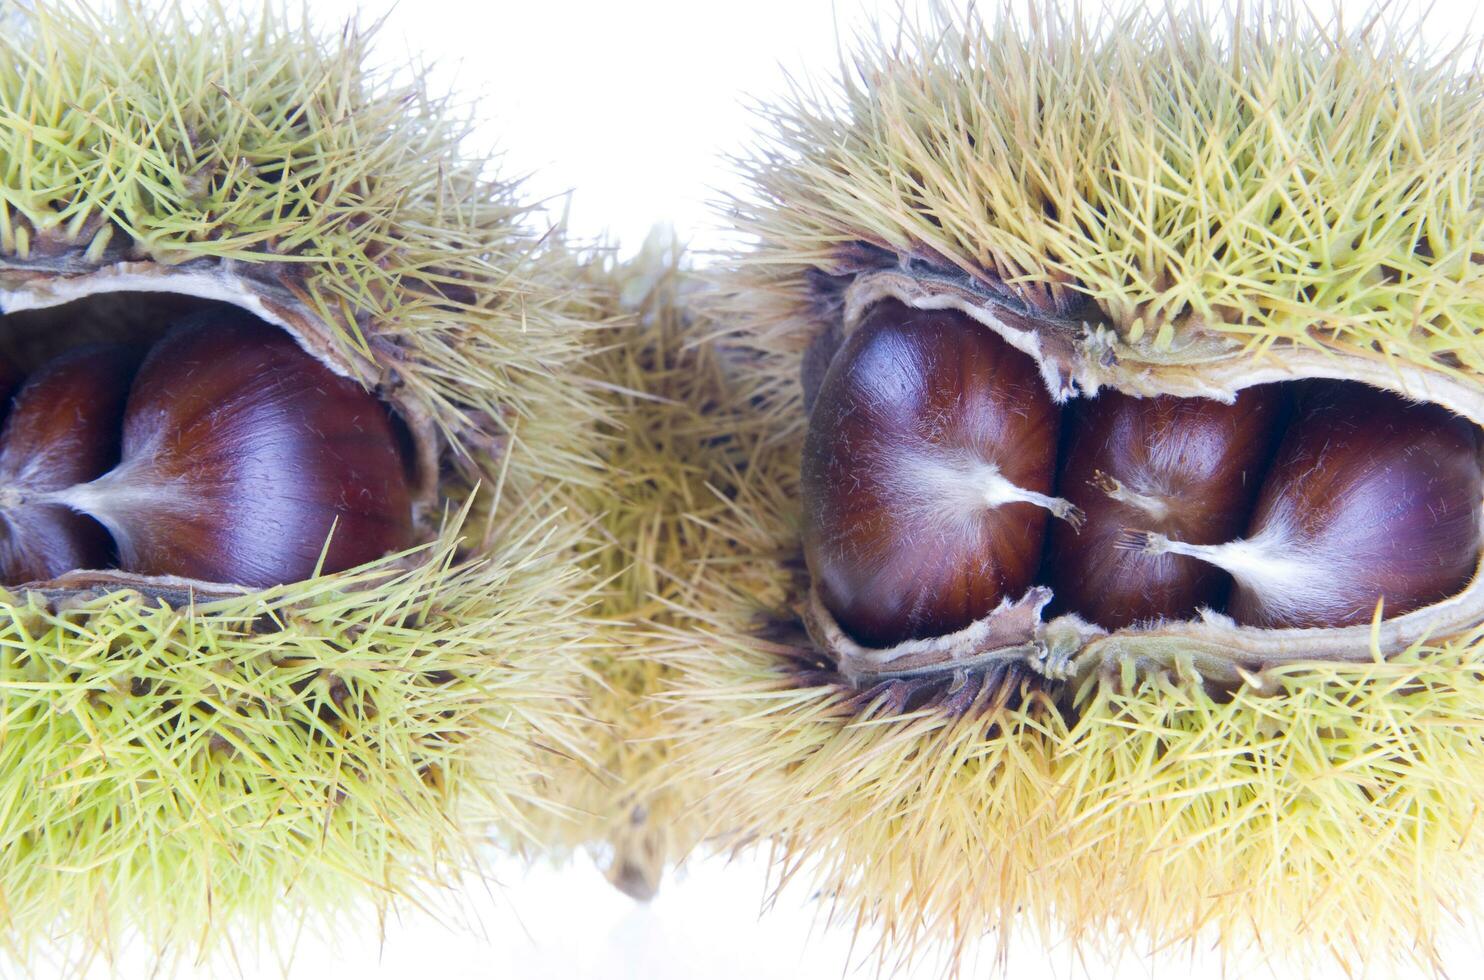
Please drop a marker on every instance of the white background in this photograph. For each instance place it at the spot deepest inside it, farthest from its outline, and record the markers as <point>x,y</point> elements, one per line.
<point>631,106</point>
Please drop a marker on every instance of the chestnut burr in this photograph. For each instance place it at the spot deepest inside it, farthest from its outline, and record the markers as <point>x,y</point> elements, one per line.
<point>241,454</point>
<point>63,429</point>
<point>1188,468</point>
<point>1370,499</point>
<point>927,474</point>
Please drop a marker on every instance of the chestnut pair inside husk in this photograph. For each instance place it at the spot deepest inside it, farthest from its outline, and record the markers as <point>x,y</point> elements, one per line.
<point>949,497</point>
<point>219,451</point>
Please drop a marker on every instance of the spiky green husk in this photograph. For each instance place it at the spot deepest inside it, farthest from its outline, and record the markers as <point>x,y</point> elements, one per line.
<point>1259,174</point>
<point>1333,810</point>
<point>1265,177</point>
<point>188,771</point>
<point>662,536</point>
<point>153,133</point>
<point>175,770</point>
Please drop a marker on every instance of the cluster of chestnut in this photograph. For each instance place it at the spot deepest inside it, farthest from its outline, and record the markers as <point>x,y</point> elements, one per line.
<point>223,452</point>
<point>935,461</point>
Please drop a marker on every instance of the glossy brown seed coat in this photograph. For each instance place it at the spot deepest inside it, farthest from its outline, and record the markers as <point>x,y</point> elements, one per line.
<point>63,429</point>
<point>925,425</point>
<point>1189,468</point>
<point>1369,496</point>
<point>240,451</point>
<point>11,377</point>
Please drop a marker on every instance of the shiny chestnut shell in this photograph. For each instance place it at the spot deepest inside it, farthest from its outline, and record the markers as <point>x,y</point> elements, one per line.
<point>63,429</point>
<point>240,454</point>
<point>923,423</point>
<point>1189,468</point>
<point>1369,496</point>
<point>11,378</point>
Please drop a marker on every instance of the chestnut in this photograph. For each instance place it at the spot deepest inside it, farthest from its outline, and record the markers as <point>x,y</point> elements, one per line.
<point>1188,468</point>
<point>1370,499</point>
<point>11,377</point>
<point>241,453</point>
<point>63,429</point>
<point>927,469</point>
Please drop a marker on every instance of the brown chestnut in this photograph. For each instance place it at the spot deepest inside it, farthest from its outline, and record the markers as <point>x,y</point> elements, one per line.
<point>241,452</point>
<point>63,429</point>
<point>927,470</point>
<point>1370,499</point>
<point>11,377</point>
<point>1188,468</point>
